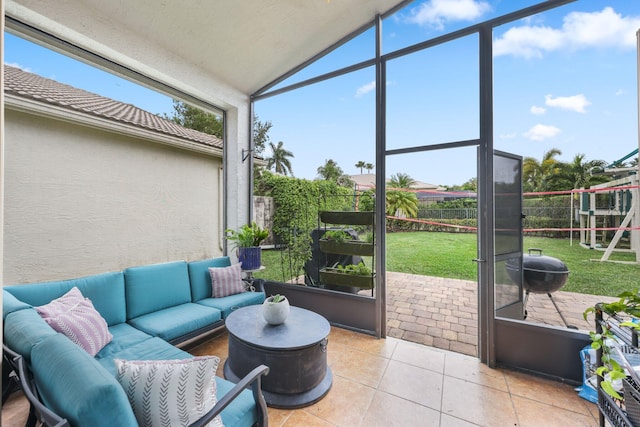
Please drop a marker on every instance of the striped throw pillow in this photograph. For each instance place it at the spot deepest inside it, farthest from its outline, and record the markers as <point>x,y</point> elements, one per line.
<point>226,281</point>
<point>170,392</point>
<point>75,316</point>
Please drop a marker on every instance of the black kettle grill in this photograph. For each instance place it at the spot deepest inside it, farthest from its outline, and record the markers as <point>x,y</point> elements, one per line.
<point>541,274</point>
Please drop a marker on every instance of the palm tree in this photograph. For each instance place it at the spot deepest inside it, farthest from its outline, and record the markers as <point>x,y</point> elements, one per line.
<point>401,180</point>
<point>579,173</point>
<point>279,159</point>
<point>536,176</point>
<point>368,167</point>
<point>399,201</point>
<point>361,164</point>
<point>330,171</point>
<point>402,203</point>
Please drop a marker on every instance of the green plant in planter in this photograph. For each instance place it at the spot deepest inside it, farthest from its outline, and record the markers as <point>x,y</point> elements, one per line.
<point>277,298</point>
<point>249,235</point>
<point>611,371</point>
<point>338,236</point>
<point>359,269</point>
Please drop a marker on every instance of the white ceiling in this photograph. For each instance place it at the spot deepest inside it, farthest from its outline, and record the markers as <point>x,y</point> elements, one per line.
<point>244,44</point>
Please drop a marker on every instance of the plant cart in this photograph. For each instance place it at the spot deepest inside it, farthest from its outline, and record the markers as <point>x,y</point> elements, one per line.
<point>344,241</point>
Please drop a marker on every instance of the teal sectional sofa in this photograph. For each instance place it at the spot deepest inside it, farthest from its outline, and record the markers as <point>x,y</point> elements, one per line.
<point>148,309</point>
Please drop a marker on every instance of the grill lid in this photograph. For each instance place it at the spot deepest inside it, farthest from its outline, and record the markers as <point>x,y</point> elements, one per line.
<point>543,263</point>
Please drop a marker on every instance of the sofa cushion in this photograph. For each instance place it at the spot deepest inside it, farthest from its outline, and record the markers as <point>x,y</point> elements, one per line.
<point>242,410</point>
<point>74,315</point>
<point>170,392</point>
<point>226,281</point>
<point>150,288</point>
<point>150,349</point>
<point>174,322</point>
<point>105,290</point>
<point>76,387</point>
<point>227,304</point>
<point>124,336</point>
<point>10,304</point>
<point>24,329</point>
<point>201,279</point>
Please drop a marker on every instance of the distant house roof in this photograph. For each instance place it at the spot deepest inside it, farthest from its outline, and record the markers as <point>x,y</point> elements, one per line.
<point>419,185</point>
<point>34,87</point>
<point>368,180</point>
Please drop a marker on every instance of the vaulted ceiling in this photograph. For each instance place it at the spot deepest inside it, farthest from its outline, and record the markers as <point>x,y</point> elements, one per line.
<point>242,44</point>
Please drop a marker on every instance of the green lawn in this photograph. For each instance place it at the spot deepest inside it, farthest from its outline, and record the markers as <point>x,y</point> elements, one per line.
<point>451,255</point>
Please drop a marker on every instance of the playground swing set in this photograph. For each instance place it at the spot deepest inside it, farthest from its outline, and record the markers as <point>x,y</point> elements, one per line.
<point>609,213</point>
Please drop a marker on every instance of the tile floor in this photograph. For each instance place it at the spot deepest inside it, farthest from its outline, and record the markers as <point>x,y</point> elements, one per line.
<point>413,378</point>
<point>391,382</point>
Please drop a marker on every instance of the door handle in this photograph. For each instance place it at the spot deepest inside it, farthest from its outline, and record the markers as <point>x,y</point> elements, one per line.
<point>479,260</point>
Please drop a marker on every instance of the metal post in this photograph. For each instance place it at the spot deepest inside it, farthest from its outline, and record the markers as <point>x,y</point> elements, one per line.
<point>571,219</point>
<point>635,234</point>
<point>486,300</point>
<point>380,223</point>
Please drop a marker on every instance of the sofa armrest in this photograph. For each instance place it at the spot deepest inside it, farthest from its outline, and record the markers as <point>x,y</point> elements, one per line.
<point>253,378</point>
<point>47,417</point>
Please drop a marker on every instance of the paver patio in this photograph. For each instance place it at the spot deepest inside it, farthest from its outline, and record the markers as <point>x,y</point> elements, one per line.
<point>443,313</point>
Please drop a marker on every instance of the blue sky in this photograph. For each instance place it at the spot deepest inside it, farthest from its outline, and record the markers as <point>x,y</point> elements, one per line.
<point>564,79</point>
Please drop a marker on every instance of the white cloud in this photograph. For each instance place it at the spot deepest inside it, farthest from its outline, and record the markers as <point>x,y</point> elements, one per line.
<point>575,103</point>
<point>541,132</point>
<point>16,65</point>
<point>620,92</point>
<point>579,30</point>
<point>537,110</point>
<point>364,89</point>
<point>436,13</point>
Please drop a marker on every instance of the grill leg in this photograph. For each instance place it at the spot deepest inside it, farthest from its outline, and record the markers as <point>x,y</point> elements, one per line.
<point>524,306</point>
<point>559,312</point>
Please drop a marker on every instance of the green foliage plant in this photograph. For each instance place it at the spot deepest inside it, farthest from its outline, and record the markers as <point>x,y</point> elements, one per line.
<point>338,236</point>
<point>276,298</point>
<point>359,269</point>
<point>297,202</point>
<point>366,200</point>
<point>611,371</point>
<point>248,235</point>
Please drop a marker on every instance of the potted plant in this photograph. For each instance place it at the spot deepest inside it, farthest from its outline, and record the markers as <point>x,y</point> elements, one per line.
<point>355,275</point>
<point>275,309</point>
<point>247,240</point>
<point>340,242</point>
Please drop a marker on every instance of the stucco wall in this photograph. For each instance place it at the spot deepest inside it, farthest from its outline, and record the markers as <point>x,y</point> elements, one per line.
<point>80,201</point>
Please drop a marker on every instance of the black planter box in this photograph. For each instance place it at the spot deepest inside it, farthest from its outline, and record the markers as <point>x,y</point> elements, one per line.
<point>351,218</point>
<point>333,276</point>
<point>353,247</point>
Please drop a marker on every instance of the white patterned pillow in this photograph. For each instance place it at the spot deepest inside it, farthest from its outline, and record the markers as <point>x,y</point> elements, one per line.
<point>74,315</point>
<point>226,281</point>
<point>170,392</point>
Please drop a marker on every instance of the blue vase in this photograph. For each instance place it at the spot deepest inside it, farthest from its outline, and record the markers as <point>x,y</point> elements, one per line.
<point>250,257</point>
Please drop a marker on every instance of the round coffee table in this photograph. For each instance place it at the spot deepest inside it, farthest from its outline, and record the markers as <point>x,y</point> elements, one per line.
<point>295,352</point>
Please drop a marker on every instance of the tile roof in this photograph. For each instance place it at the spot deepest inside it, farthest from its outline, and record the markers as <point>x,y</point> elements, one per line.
<point>37,88</point>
